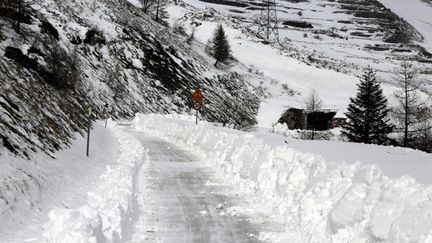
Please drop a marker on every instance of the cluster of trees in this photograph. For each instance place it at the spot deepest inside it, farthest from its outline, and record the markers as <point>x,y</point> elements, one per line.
<point>371,120</point>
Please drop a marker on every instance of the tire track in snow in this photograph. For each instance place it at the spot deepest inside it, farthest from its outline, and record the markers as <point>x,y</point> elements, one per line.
<point>177,205</point>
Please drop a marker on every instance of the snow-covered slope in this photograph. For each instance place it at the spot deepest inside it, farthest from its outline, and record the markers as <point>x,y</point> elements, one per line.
<point>282,81</point>
<point>417,13</point>
<point>126,61</point>
<point>343,35</point>
<point>323,199</point>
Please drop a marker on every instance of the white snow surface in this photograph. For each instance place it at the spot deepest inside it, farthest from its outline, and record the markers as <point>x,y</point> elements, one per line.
<point>321,197</point>
<point>109,212</point>
<point>72,198</point>
<point>417,13</point>
<point>29,189</point>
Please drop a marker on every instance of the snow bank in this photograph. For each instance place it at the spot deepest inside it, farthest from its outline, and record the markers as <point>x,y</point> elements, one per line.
<point>283,130</point>
<point>109,209</point>
<point>322,200</point>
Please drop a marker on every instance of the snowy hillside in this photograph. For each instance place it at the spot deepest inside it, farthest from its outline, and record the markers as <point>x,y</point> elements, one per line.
<point>283,81</point>
<point>417,13</point>
<point>122,62</point>
<point>341,35</point>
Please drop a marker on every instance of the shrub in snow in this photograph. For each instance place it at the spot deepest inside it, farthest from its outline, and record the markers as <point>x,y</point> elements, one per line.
<point>94,36</point>
<point>318,37</point>
<point>178,28</point>
<point>64,67</point>
<point>50,29</point>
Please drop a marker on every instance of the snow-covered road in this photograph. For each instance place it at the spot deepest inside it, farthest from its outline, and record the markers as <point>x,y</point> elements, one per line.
<point>150,191</point>
<point>169,180</point>
<point>181,205</point>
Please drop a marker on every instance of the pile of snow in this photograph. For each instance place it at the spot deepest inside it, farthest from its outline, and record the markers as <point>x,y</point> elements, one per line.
<point>108,212</point>
<point>283,130</point>
<point>324,201</point>
<point>29,189</point>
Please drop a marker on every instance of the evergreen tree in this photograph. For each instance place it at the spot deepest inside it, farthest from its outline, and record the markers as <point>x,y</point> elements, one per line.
<point>367,112</point>
<point>221,47</point>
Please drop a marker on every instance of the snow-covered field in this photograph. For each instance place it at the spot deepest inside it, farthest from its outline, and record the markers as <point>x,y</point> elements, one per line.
<point>327,192</point>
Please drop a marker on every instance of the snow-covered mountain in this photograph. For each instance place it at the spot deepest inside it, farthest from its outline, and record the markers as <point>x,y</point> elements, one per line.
<point>122,62</point>
<point>343,35</point>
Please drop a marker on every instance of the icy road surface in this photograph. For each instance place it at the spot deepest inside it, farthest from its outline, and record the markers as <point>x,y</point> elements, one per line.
<point>184,205</point>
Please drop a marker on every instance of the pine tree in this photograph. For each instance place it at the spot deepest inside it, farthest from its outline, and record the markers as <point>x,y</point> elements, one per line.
<point>221,47</point>
<point>367,113</point>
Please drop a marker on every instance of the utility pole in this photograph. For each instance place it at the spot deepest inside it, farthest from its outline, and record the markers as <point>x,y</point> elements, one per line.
<point>105,112</point>
<point>88,131</point>
<point>268,20</point>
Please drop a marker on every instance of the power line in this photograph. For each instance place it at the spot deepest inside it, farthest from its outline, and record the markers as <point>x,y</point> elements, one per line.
<point>268,20</point>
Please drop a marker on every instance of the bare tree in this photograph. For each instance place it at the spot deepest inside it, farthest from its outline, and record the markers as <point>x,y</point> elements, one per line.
<point>313,102</point>
<point>160,10</point>
<point>423,137</point>
<point>157,6</point>
<point>147,4</point>
<point>409,113</point>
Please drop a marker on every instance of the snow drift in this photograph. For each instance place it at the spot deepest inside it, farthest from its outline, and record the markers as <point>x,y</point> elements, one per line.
<point>109,210</point>
<point>324,201</point>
